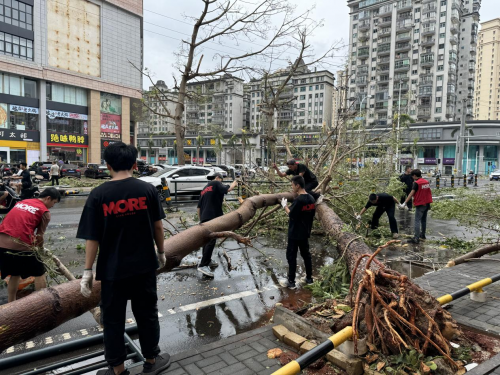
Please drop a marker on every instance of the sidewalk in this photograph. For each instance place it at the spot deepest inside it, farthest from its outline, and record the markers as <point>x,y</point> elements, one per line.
<point>243,354</point>
<point>481,316</point>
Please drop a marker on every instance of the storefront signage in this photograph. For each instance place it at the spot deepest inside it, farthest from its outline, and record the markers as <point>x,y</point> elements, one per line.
<point>406,161</point>
<point>20,135</point>
<point>111,104</point>
<point>20,108</point>
<point>110,123</point>
<point>77,116</point>
<point>428,161</point>
<point>162,158</point>
<point>111,136</point>
<point>211,159</point>
<point>196,160</point>
<point>67,139</point>
<point>105,143</point>
<point>448,161</point>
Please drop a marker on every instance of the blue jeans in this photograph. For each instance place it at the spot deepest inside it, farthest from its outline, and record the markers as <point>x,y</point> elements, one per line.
<point>421,220</point>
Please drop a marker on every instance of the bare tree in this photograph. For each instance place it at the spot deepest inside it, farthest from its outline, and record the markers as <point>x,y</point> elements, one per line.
<point>270,22</point>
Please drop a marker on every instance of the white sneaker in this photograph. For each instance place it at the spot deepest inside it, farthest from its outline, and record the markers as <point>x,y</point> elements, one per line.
<point>395,235</point>
<point>206,271</point>
<point>213,264</point>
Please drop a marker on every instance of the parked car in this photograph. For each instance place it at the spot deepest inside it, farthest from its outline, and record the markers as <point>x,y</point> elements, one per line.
<point>141,165</point>
<point>231,172</point>
<point>239,169</point>
<point>96,171</point>
<point>70,170</point>
<point>495,175</point>
<point>185,179</point>
<point>218,170</point>
<point>41,168</point>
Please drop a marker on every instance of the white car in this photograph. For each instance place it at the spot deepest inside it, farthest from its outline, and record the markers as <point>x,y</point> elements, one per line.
<point>219,170</point>
<point>495,175</point>
<point>186,179</point>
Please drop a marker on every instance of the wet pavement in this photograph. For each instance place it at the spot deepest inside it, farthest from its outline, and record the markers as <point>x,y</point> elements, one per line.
<point>194,310</point>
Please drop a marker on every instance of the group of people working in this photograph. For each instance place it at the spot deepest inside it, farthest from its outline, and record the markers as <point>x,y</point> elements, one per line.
<point>126,263</point>
<point>417,190</point>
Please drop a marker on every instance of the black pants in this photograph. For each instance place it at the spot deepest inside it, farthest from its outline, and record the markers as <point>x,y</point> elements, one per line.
<point>310,186</point>
<point>390,214</point>
<point>141,291</point>
<point>291,256</point>
<point>410,202</point>
<point>208,250</point>
<point>56,179</point>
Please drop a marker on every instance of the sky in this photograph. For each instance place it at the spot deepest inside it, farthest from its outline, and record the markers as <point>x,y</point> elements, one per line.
<point>165,24</point>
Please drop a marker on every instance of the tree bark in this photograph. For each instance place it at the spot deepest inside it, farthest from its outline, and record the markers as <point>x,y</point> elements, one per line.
<point>43,311</point>
<point>478,253</point>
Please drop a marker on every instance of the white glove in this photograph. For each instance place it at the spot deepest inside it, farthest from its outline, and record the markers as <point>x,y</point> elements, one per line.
<point>358,217</point>
<point>86,283</point>
<point>161,259</point>
<point>284,202</point>
<point>402,206</point>
<point>406,208</point>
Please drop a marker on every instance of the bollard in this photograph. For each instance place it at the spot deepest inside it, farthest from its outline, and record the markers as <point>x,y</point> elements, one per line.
<point>452,181</point>
<point>166,191</point>
<point>465,181</point>
<point>475,180</point>
<point>437,182</point>
<point>341,183</point>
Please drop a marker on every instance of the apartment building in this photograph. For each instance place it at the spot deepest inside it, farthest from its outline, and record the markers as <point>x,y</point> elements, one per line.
<point>216,102</point>
<point>159,102</point>
<point>306,102</point>
<point>417,56</point>
<point>339,97</point>
<point>487,90</point>
<point>66,84</point>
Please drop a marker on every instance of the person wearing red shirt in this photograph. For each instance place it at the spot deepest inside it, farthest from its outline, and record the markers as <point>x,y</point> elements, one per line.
<point>18,241</point>
<point>422,199</point>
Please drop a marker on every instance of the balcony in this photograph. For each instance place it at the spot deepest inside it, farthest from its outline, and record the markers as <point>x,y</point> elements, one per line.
<point>363,37</point>
<point>402,66</point>
<point>472,67</point>
<point>383,79</point>
<point>428,18</point>
<point>451,89</point>
<point>404,87</point>
<point>453,40</point>
<point>453,58</point>
<point>473,51</point>
<point>384,60</point>
<point>455,16</point>
<point>404,25</point>
<point>384,50</point>
<point>423,113</point>
<point>470,94</point>
<point>473,41</point>
<point>385,10</point>
<point>426,93</point>
<point>450,112</point>
<point>381,108</point>
<point>384,32</point>
<point>362,72</point>
<point>405,37</point>
<point>383,68</point>
<point>428,42</point>
<point>363,53</point>
<point>402,47</point>
<point>191,108</point>
<point>404,6</point>
<point>428,31</point>
<point>427,60</point>
<point>428,8</point>
<point>470,84</point>
<point>192,116</point>
<point>401,77</point>
<point>364,25</point>
<point>361,81</point>
<point>384,22</point>
<point>454,29</point>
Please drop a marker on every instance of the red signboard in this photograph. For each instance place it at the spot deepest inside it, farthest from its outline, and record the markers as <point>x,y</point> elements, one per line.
<point>111,123</point>
<point>162,158</point>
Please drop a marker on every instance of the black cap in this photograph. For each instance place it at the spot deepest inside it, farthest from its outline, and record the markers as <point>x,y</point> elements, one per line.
<point>291,162</point>
<point>214,176</point>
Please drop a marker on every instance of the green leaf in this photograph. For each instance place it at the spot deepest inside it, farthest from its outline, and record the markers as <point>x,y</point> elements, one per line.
<point>431,365</point>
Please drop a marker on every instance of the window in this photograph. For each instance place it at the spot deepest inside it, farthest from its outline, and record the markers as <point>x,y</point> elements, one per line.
<point>442,24</point>
<point>66,94</point>
<point>302,89</point>
<point>16,46</point>
<point>17,14</point>
<point>302,97</point>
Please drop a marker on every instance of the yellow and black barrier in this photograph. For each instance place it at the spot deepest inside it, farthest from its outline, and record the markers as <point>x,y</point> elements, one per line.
<point>475,287</point>
<point>71,192</point>
<point>316,353</point>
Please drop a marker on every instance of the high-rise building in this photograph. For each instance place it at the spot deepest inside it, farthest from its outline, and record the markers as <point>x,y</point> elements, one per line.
<point>160,101</point>
<point>487,90</point>
<point>66,77</point>
<point>306,100</point>
<point>215,102</point>
<point>339,98</point>
<point>415,56</point>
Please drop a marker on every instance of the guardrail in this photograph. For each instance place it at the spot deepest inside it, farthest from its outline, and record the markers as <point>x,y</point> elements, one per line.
<point>474,287</point>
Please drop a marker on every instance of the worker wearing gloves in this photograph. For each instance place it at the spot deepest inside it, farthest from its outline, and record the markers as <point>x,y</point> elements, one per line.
<point>123,219</point>
<point>301,216</point>
<point>384,203</point>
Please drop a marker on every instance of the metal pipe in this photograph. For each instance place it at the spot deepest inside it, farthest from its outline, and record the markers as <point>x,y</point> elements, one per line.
<point>316,353</point>
<point>56,349</point>
<point>96,366</point>
<point>68,362</point>
<point>477,286</point>
<point>134,347</point>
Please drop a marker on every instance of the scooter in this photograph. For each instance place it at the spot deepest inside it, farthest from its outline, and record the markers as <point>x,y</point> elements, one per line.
<point>13,197</point>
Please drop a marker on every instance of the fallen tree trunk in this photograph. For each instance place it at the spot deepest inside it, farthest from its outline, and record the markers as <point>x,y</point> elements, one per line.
<point>42,311</point>
<point>478,253</point>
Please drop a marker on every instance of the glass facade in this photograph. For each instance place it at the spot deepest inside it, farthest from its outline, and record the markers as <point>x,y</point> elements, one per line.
<point>18,86</point>
<point>23,121</point>
<point>71,155</point>
<point>16,46</point>
<point>16,13</point>
<point>66,125</point>
<point>57,92</point>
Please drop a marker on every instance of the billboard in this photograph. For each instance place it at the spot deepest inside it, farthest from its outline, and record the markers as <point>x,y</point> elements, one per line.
<point>110,124</point>
<point>111,104</point>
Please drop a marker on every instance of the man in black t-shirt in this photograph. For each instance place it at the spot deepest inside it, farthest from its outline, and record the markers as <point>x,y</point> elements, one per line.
<point>384,203</point>
<point>123,219</point>
<point>24,176</point>
<point>296,169</point>
<point>210,207</point>
<point>408,181</point>
<point>301,216</point>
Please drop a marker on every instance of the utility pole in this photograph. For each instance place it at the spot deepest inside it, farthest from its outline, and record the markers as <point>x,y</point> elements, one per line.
<point>460,152</point>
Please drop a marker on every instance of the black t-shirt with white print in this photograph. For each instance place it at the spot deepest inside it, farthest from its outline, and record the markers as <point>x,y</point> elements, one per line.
<point>211,198</point>
<point>121,216</point>
<point>308,175</point>
<point>301,217</point>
